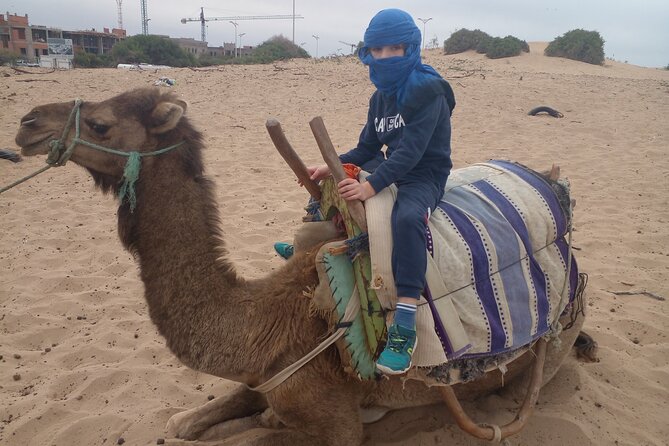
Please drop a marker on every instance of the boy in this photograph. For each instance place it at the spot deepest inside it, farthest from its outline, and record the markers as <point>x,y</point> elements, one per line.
<point>410,114</point>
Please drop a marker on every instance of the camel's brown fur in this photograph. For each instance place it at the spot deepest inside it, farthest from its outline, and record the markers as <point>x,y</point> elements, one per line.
<point>213,320</point>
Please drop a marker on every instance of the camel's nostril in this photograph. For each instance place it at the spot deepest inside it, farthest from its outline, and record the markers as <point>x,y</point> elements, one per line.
<point>28,121</point>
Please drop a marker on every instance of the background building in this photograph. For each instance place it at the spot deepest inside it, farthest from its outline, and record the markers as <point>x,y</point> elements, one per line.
<point>31,42</point>
<point>49,46</point>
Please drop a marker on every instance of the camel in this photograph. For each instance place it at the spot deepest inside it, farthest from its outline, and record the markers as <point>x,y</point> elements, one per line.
<point>213,320</point>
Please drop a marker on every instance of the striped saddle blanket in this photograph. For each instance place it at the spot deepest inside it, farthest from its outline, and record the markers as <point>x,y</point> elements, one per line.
<point>502,271</point>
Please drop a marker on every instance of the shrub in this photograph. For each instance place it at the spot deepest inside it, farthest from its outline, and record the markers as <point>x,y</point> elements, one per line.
<point>483,43</point>
<point>578,44</point>
<point>464,40</point>
<point>275,48</point>
<point>205,60</point>
<point>7,57</point>
<point>88,60</point>
<point>505,47</point>
<point>151,49</point>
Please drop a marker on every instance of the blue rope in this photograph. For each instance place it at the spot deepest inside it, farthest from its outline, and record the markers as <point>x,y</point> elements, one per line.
<point>356,244</point>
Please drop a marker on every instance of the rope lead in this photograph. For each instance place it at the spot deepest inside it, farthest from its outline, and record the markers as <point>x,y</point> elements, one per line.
<point>130,176</point>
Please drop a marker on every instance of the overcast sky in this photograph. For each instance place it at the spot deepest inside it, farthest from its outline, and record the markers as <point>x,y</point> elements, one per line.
<point>636,31</point>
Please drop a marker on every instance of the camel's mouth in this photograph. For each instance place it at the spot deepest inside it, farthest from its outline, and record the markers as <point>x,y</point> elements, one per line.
<point>33,146</point>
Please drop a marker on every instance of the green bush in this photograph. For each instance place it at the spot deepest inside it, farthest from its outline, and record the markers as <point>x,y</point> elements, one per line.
<point>464,40</point>
<point>275,48</point>
<point>578,44</point>
<point>7,57</point>
<point>483,43</point>
<point>508,46</point>
<point>88,60</point>
<point>152,49</point>
<point>205,60</point>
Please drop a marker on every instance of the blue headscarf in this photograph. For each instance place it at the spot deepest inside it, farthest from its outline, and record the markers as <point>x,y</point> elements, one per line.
<point>404,76</point>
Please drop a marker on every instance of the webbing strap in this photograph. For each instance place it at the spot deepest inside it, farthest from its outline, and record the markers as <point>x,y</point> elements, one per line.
<point>352,310</point>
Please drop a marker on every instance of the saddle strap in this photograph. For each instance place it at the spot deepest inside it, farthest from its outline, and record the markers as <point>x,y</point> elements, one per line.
<point>352,310</point>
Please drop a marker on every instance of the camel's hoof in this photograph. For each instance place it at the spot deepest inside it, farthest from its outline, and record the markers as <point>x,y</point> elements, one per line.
<point>183,425</point>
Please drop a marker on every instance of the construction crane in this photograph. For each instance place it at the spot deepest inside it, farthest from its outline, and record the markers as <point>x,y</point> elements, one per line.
<point>145,19</point>
<point>119,12</point>
<point>203,21</point>
<point>352,45</point>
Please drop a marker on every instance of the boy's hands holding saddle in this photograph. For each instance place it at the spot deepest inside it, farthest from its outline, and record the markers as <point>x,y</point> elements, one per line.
<point>352,189</point>
<point>349,188</point>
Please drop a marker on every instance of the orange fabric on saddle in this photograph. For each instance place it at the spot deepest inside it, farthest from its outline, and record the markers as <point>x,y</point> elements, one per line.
<point>351,170</point>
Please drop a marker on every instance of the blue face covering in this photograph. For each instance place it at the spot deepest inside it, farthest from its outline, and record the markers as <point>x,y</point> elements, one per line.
<point>405,76</point>
<point>391,27</point>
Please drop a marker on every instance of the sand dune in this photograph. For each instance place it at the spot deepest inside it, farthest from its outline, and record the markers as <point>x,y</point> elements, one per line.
<point>81,363</point>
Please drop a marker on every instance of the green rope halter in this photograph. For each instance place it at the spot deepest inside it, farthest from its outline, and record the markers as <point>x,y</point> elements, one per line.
<point>59,155</point>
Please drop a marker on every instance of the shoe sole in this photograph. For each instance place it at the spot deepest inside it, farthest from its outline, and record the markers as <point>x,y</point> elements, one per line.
<point>387,371</point>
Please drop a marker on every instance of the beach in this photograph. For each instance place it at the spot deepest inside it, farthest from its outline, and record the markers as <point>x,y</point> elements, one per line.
<point>82,364</point>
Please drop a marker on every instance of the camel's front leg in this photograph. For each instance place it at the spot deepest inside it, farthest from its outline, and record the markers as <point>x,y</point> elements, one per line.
<point>236,407</point>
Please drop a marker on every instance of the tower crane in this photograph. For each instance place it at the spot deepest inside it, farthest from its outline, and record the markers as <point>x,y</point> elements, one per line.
<point>203,21</point>
<point>352,45</point>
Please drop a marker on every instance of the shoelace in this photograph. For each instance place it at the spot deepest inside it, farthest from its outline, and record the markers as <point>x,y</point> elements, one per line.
<point>396,342</point>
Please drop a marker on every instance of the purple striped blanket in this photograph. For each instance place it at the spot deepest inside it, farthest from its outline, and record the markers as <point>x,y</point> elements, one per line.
<point>498,240</point>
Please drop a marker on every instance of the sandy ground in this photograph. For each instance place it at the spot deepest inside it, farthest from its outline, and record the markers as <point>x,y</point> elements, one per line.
<point>81,363</point>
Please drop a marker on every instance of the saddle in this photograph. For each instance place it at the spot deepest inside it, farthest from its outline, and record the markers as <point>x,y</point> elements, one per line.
<point>500,273</point>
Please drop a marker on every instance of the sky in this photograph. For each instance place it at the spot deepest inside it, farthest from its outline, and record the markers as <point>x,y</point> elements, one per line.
<point>634,31</point>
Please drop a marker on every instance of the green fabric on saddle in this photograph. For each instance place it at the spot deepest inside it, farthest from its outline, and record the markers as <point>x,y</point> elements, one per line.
<point>369,328</point>
<point>339,270</point>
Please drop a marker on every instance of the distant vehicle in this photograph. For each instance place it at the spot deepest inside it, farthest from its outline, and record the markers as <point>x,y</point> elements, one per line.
<point>25,63</point>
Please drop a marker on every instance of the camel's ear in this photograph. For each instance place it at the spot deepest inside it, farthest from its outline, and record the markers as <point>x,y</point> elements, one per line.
<point>166,116</point>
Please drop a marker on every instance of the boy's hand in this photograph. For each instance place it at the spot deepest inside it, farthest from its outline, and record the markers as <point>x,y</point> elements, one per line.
<point>317,173</point>
<point>351,189</point>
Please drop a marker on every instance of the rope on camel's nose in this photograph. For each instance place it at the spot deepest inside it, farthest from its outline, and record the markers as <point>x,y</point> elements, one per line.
<point>56,147</point>
<point>59,155</point>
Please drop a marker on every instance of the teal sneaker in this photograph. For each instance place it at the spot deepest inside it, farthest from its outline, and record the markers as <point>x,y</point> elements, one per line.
<point>395,359</point>
<point>285,250</point>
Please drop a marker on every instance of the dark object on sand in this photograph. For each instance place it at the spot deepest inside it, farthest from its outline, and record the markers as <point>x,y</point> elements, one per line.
<point>543,109</point>
<point>586,347</point>
<point>7,154</point>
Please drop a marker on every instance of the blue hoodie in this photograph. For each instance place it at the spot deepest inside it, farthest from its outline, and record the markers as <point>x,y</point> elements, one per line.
<point>410,111</point>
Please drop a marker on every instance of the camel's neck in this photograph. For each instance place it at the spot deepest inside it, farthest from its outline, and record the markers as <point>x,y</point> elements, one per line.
<point>192,293</point>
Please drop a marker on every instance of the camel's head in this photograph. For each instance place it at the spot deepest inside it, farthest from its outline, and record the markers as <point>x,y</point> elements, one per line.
<point>142,120</point>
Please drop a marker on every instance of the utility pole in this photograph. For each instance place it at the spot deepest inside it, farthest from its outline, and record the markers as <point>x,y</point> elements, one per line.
<point>316,37</point>
<point>235,25</point>
<point>293,22</point>
<point>424,22</point>
<point>241,47</point>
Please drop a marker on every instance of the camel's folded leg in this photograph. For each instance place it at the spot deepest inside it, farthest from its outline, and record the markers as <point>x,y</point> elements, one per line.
<point>241,403</point>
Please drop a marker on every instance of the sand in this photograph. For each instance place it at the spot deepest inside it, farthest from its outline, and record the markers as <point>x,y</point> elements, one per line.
<point>82,364</point>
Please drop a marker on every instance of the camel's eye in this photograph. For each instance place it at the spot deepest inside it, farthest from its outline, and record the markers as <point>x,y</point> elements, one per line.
<point>100,129</point>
